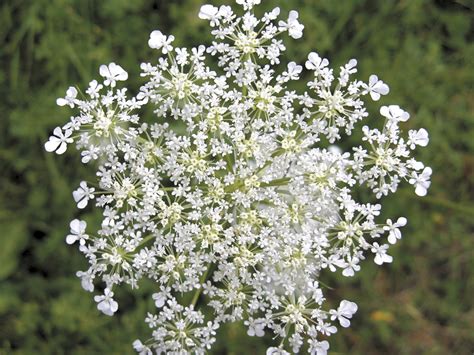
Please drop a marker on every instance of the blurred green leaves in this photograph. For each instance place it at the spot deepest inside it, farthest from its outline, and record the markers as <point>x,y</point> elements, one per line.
<point>424,49</point>
<point>13,239</point>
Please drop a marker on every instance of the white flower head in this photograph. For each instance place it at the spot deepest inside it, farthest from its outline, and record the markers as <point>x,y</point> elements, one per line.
<point>160,41</point>
<point>83,194</point>
<point>292,25</point>
<point>245,206</point>
<point>58,141</point>
<point>78,232</point>
<point>112,73</point>
<point>70,98</point>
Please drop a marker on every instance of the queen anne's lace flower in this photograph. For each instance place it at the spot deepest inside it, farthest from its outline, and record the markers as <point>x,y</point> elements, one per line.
<point>243,212</point>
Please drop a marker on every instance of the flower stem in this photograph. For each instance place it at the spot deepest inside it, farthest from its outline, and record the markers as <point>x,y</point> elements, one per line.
<point>199,290</point>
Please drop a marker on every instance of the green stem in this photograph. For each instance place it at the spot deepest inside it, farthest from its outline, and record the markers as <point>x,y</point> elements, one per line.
<point>199,290</point>
<point>146,239</point>
<point>276,182</point>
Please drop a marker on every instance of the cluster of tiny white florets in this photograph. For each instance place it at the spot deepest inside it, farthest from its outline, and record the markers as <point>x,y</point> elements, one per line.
<point>235,219</point>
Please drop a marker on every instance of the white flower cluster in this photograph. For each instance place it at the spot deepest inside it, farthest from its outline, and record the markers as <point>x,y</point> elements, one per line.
<point>240,215</point>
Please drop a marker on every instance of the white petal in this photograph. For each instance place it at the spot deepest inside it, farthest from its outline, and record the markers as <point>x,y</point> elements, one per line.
<point>71,239</point>
<point>75,226</point>
<point>383,89</point>
<point>113,306</point>
<point>58,132</point>
<point>378,259</point>
<point>420,190</point>
<point>373,79</point>
<point>344,322</point>
<point>207,12</point>
<point>385,112</point>
<point>52,144</point>
<point>348,272</point>
<point>71,92</point>
<point>402,221</point>
<point>82,203</point>
<point>62,148</point>
<point>293,15</point>
<point>104,71</point>
<point>156,40</point>
<point>118,73</point>
<point>61,102</point>
<point>375,95</point>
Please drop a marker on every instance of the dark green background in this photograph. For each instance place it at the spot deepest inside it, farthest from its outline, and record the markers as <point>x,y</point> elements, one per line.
<point>420,304</point>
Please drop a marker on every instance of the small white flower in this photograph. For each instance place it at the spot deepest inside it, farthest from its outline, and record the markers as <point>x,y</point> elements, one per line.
<point>293,71</point>
<point>319,347</point>
<point>94,88</point>
<point>394,113</point>
<point>112,73</point>
<point>381,255</point>
<point>344,312</point>
<point>70,98</point>
<point>83,194</point>
<point>256,327</point>
<point>294,28</point>
<point>78,232</point>
<point>272,15</point>
<point>421,181</point>
<point>86,280</point>
<point>105,303</point>
<point>276,351</point>
<point>160,299</point>
<point>209,12</point>
<point>248,4</point>
<point>419,137</point>
<point>58,141</point>
<point>334,149</point>
<point>315,62</point>
<point>376,88</point>
<point>351,267</point>
<point>160,41</point>
<point>141,348</point>
<point>394,233</point>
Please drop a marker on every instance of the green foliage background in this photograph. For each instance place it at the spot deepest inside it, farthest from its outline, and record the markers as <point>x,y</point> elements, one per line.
<point>420,304</point>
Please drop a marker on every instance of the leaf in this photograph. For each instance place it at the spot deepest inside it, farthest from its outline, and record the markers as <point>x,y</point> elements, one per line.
<point>13,240</point>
